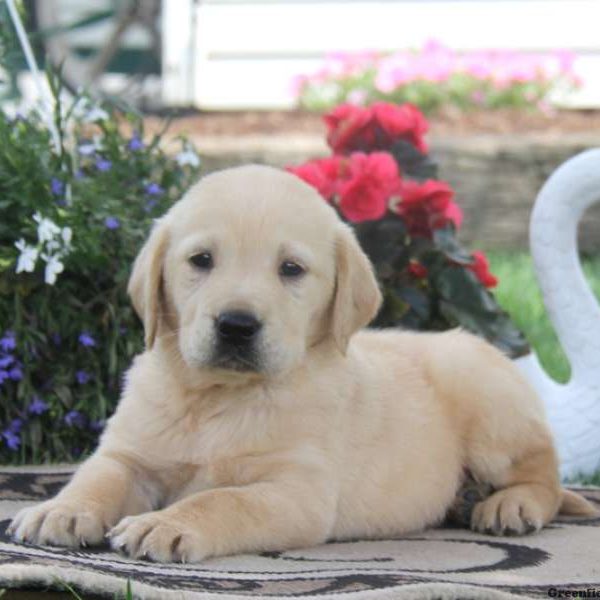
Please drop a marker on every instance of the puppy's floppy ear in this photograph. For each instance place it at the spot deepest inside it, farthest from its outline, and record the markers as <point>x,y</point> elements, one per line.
<point>145,283</point>
<point>357,296</point>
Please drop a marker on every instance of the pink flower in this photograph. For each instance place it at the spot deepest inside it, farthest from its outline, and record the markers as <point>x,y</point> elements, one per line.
<point>393,72</point>
<point>566,61</point>
<point>358,97</point>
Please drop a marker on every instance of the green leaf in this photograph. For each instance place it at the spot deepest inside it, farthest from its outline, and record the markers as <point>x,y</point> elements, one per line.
<point>445,239</point>
<point>384,242</point>
<point>412,162</point>
<point>65,395</point>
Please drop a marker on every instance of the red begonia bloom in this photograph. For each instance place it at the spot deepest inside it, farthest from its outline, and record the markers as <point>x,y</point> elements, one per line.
<point>481,268</point>
<point>427,206</point>
<point>416,269</point>
<point>353,128</point>
<point>370,181</point>
<point>322,174</point>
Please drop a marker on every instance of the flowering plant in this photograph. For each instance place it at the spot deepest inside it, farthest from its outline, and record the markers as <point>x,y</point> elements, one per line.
<point>437,76</point>
<point>73,218</point>
<point>381,180</point>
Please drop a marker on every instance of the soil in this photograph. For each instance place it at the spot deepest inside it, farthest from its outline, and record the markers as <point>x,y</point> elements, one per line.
<point>449,123</point>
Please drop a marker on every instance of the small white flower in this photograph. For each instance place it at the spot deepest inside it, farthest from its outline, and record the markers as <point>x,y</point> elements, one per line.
<point>27,258</point>
<point>90,148</point>
<point>53,246</point>
<point>87,149</point>
<point>67,235</point>
<point>53,268</point>
<point>188,157</point>
<point>95,114</point>
<point>47,230</point>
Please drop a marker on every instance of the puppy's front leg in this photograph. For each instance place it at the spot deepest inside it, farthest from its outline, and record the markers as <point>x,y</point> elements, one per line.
<point>289,511</point>
<point>103,490</point>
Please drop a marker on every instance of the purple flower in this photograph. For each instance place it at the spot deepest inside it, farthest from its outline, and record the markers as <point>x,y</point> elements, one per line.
<point>102,164</point>
<point>82,377</point>
<point>57,186</point>
<point>153,189</point>
<point>74,419</point>
<point>37,406</point>
<point>79,174</point>
<point>150,204</point>
<point>56,338</point>
<point>11,434</point>
<point>6,360</point>
<point>11,439</point>
<point>135,143</point>
<point>8,342</point>
<point>16,373</point>
<point>85,339</point>
<point>15,425</point>
<point>97,425</point>
<point>3,376</point>
<point>112,223</point>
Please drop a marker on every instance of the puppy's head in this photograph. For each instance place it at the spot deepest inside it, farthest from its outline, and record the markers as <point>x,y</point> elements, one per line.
<point>249,271</point>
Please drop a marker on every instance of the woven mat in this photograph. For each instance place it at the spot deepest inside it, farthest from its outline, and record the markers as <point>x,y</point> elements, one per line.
<point>442,563</point>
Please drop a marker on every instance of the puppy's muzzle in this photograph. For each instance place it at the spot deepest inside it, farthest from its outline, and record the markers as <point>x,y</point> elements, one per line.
<point>237,333</point>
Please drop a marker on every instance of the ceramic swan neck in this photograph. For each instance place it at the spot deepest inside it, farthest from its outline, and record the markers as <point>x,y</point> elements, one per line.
<point>573,309</point>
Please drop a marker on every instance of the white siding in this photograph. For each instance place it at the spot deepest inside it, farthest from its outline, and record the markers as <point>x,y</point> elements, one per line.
<point>246,52</point>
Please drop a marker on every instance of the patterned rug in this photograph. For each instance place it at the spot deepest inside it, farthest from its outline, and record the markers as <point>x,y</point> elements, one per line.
<point>444,563</point>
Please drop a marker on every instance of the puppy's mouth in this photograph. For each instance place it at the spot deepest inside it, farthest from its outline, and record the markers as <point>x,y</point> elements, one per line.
<point>237,334</point>
<point>239,359</point>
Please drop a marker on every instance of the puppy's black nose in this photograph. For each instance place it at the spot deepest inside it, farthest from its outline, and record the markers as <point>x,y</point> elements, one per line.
<point>237,326</point>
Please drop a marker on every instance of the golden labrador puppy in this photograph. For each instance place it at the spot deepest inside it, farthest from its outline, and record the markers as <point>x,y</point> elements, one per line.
<point>261,417</point>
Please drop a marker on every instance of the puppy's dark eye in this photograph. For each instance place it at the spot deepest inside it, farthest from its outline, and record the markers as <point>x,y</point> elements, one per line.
<point>289,268</point>
<point>203,261</point>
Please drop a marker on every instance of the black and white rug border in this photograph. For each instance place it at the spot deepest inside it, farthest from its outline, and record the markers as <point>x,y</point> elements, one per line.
<point>359,576</point>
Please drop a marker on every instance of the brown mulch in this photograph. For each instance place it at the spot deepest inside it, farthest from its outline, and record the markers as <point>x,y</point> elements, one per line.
<point>450,123</point>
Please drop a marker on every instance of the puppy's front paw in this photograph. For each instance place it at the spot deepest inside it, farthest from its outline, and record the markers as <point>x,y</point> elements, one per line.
<point>159,537</point>
<point>508,512</point>
<point>59,523</point>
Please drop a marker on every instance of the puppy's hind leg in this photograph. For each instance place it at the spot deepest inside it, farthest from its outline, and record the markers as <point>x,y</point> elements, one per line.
<point>529,497</point>
<point>508,445</point>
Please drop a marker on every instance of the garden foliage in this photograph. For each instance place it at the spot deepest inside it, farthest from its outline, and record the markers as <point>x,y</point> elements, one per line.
<point>437,77</point>
<point>72,222</point>
<point>382,181</point>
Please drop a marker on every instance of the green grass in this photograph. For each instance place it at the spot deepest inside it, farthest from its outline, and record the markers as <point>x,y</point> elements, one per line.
<point>519,294</point>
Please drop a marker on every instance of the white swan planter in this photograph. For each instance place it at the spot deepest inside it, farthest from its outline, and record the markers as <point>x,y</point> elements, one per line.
<point>573,408</point>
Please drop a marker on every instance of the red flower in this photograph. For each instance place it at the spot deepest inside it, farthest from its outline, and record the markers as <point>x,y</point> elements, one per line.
<point>481,268</point>
<point>427,206</point>
<point>321,174</point>
<point>349,128</point>
<point>366,129</point>
<point>400,122</point>
<point>416,269</point>
<point>370,181</point>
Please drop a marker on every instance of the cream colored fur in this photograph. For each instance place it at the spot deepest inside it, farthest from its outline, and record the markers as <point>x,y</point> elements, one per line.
<point>342,433</point>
